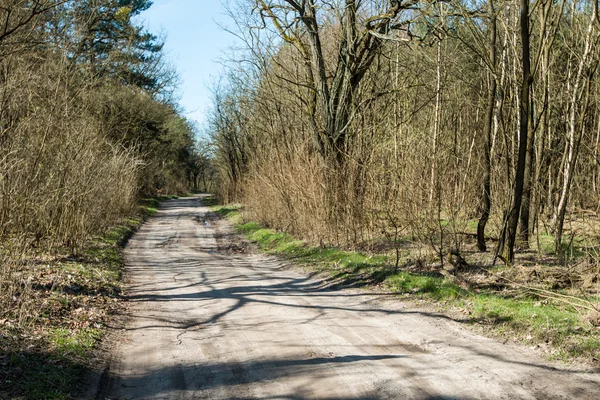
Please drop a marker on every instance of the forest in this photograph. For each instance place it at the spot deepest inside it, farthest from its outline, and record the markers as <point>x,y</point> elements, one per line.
<point>454,126</point>
<point>89,125</point>
<point>448,149</point>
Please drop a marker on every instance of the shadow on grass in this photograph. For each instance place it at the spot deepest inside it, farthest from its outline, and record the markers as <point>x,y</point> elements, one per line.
<point>352,269</point>
<point>227,210</point>
<point>40,375</point>
<point>210,201</point>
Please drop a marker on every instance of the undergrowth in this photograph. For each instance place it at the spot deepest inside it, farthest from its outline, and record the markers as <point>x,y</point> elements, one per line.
<point>563,331</point>
<point>67,299</point>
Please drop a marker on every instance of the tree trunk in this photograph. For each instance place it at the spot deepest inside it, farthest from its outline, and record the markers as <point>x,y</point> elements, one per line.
<point>486,201</point>
<point>513,214</point>
<point>356,51</point>
<point>586,71</point>
<point>436,121</point>
<point>528,175</point>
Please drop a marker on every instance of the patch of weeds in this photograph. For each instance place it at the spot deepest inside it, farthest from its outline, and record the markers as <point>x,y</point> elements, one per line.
<point>273,241</point>
<point>249,228</point>
<point>230,211</point>
<point>70,301</point>
<point>210,201</point>
<point>546,243</point>
<point>431,286</point>
<point>67,343</point>
<point>149,206</point>
<point>148,211</point>
<point>227,211</point>
<point>532,320</point>
<point>529,313</point>
<point>574,249</point>
<point>472,225</point>
<point>41,376</point>
<point>119,235</point>
<point>589,345</point>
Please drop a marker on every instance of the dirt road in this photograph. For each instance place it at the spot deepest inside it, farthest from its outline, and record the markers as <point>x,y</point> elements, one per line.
<point>204,324</point>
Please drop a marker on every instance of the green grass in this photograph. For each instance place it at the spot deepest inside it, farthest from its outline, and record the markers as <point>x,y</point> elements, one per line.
<point>434,287</point>
<point>149,206</point>
<point>533,321</point>
<point>521,315</point>
<point>66,343</point>
<point>230,211</point>
<point>571,249</point>
<point>353,267</point>
<point>472,225</point>
<point>43,376</point>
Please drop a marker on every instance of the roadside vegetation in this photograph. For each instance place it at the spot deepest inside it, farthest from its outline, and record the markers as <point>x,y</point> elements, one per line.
<point>509,303</point>
<point>89,125</point>
<point>415,120</point>
<point>460,139</point>
<point>49,336</point>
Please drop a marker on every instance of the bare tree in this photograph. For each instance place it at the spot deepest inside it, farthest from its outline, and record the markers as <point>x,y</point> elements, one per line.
<point>579,108</point>
<point>513,213</point>
<point>486,202</point>
<point>16,19</point>
<point>362,35</point>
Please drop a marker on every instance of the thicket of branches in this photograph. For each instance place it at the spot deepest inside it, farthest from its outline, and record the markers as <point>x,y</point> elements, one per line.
<point>87,124</point>
<point>348,121</point>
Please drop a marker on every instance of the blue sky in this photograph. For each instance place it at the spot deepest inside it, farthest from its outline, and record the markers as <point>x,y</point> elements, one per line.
<point>195,43</point>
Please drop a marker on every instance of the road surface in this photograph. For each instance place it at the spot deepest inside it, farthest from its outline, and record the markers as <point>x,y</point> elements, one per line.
<point>206,323</point>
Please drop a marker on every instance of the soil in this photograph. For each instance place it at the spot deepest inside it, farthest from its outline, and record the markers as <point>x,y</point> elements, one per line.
<point>207,319</point>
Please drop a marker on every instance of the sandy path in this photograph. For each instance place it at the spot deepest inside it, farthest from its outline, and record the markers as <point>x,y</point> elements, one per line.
<point>207,325</point>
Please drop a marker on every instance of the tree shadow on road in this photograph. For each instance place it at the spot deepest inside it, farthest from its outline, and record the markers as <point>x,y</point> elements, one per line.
<point>221,289</point>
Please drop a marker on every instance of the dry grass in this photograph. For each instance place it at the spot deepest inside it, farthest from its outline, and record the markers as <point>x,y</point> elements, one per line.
<point>55,309</point>
<point>78,148</point>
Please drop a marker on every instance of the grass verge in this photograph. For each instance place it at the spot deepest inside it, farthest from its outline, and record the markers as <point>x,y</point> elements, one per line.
<point>49,345</point>
<point>562,329</point>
